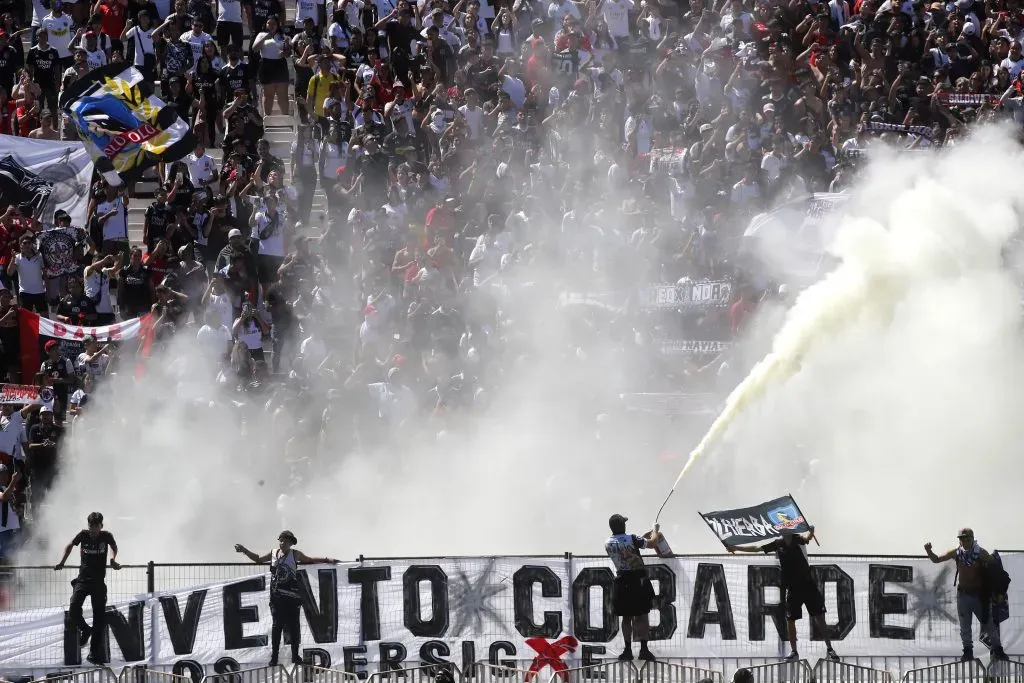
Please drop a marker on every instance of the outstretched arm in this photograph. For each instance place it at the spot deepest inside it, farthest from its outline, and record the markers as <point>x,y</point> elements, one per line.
<point>258,559</point>
<point>305,559</point>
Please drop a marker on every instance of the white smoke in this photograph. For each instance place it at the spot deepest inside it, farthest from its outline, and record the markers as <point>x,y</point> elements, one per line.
<point>899,425</point>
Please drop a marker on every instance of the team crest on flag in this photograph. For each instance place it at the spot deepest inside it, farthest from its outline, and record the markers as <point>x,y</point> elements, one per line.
<point>125,127</point>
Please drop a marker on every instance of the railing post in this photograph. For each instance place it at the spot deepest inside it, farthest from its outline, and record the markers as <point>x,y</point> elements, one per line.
<point>571,630</point>
<point>151,577</point>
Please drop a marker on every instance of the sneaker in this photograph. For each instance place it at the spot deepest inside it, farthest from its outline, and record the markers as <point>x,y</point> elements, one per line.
<point>272,662</point>
<point>646,655</point>
<point>84,636</point>
<point>831,655</point>
<point>967,656</point>
<point>626,656</point>
<point>793,657</point>
<point>94,659</point>
<point>999,654</point>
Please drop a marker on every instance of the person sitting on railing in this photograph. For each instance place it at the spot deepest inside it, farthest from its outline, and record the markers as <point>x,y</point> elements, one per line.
<point>285,598</point>
<point>92,573</point>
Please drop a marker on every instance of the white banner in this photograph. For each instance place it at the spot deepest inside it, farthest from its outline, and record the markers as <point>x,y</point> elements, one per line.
<point>794,239</point>
<point>128,329</point>
<point>25,394</point>
<point>360,615</point>
<point>65,166</point>
<point>714,293</point>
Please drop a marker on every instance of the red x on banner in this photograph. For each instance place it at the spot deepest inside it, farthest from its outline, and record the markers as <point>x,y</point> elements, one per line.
<point>550,654</point>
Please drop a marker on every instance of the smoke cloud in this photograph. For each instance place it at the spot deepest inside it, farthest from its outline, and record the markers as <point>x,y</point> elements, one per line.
<point>897,426</point>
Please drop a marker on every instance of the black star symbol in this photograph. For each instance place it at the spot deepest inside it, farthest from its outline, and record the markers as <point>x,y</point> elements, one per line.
<point>470,601</point>
<point>930,599</point>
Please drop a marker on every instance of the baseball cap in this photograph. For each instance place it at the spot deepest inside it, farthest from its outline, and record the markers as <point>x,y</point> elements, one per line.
<point>46,409</point>
<point>234,232</point>
<point>59,214</point>
<point>966,532</point>
<point>616,520</point>
<point>52,344</point>
<point>706,128</point>
<point>88,339</point>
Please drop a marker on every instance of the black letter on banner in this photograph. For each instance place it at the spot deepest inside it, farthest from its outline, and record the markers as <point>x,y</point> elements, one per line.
<point>188,667</point>
<point>323,622</point>
<point>411,580</point>
<point>846,613</point>
<point>711,577</point>
<point>127,632</point>
<point>227,665</point>
<point>236,616</point>
<point>391,656</point>
<point>760,577</point>
<point>468,655</point>
<point>664,600</point>
<point>432,651</point>
<point>585,633</point>
<point>587,653</point>
<point>881,603</point>
<point>369,606</point>
<point>182,629</point>
<point>522,590</point>
<point>316,656</point>
<point>349,654</point>
<point>499,647</point>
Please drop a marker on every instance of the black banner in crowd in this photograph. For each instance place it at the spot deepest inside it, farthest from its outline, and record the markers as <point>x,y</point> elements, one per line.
<point>758,524</point>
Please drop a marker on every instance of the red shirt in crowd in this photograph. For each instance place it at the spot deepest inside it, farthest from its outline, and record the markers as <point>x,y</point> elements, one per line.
<point>112,17</point>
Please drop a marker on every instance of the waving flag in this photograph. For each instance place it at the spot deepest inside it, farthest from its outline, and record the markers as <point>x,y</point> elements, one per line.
<point>124,126</point>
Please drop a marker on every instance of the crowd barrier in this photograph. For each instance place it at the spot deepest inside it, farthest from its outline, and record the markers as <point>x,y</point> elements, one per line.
<point>954,672</point>
<point>99,675</point>
<point>830,671</point>
<point>783,672</point>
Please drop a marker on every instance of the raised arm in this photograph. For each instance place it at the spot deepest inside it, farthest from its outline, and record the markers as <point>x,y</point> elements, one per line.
<point>305,559</point>
<point>944,557</point>
<point>258,559</point>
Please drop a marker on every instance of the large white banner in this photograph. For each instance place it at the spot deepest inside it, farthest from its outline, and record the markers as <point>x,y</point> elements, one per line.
<point>65,167</point>
<point>362,615</point>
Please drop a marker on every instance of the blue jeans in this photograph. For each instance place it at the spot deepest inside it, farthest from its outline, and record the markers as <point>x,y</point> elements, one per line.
<point>969,605</point>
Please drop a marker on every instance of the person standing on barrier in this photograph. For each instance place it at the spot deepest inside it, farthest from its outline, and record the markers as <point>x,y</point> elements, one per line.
<point>92,573</point>
<point>285,598</point>
<point>798,586</point>
<point>632,592</point>
<point>974,591</point>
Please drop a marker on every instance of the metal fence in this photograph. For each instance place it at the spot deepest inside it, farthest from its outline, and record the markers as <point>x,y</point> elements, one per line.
<point>100,675</point>
<point>829,671</point>
<point>972,671</point>
<point>782,672</point>
<point>142,674</point>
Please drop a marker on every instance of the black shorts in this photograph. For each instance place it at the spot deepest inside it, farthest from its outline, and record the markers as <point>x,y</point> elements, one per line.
<point>266,268</point>
<point>229,33</point>
<point>632,594</point>
<point>804,595</point>
<point>273,71</point>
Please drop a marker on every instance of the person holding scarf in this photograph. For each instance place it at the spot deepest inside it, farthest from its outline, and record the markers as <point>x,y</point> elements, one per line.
<point>973,594</point>
<point>285,595</point>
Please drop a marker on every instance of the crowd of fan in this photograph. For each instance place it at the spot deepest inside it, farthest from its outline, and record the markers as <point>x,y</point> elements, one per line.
<point>458,145</point>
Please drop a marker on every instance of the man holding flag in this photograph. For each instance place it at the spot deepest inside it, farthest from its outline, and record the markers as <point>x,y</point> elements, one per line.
<point>798,585</point>
<point>632,592</point>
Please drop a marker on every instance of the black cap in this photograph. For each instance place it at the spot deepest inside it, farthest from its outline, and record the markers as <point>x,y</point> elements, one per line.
<point>288,536</point>
<point>616,520</point>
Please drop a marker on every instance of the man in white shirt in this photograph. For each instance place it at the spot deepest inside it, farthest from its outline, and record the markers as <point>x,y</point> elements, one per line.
<point>58,26</point>
<point>202,169</point>
<point>10,525</point>
<point>557,11</point>
<point>616,15</point>
<point>12,429</point>
<point>196,38</point>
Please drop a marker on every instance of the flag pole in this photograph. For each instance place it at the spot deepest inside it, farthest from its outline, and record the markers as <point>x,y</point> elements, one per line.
<point>797,505</point>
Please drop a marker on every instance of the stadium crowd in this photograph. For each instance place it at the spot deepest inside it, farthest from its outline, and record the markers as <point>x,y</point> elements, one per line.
<point>603,143</point>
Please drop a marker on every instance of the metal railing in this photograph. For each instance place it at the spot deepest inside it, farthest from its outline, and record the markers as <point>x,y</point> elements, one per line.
<point>417,674</point>
<point>666,672</point>
<point>608,672</point>
<point>485,672</point>
<point>953,672</point>
<point>143,674</point>
<point>830,671</point>
<point>318,674</point>
<point>1010,671</point>
<point>782,672</point>
<point>262,674</point>
<point>98,675</point>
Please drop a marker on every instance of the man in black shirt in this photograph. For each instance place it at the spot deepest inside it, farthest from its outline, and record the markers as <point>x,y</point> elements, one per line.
<point>10,61</point>
<point>92,571</point>
<point>43,60</point>
<point>158,217</point>
<point>798,585</point>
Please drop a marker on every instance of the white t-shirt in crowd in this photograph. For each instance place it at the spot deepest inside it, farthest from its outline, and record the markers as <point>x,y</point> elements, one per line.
<point>251,335</point>
<point>95,368</point>
<point>229,11</point>
<point>307,9</point>
<point>95,58</point>
<point>30,273</point>
<point>196,43</point>
<point>143,43</point>
<point>12,435</point>
<point>616,15</point>
<point>221,305</point>
<point>38,12</point>
<point>272,47</point>
<point>59,30</point>
<point>200,169</point>
<point>213,341</point>
<point>474,119</point>
<point>98,284</point>
<point>333,156</point>
<point>273,245</point>
<point>116,227</point>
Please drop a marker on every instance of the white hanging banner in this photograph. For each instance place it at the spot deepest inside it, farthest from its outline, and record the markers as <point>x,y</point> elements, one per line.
<point>46,174</point>
<point>362,615</point>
